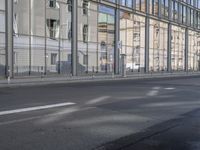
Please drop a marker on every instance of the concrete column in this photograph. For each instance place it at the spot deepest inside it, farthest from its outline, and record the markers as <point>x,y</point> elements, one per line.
<point>169,42</point>
<point>9,39</point>
<point>146,44</point>
<point>186,49</point>
<point>117,38</point>
<point>74,37</point>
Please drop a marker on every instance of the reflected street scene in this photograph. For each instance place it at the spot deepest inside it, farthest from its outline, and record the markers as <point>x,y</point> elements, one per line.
<point>99,74</point>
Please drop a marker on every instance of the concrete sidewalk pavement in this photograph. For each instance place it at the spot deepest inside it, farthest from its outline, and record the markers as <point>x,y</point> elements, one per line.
<point>45,80</point>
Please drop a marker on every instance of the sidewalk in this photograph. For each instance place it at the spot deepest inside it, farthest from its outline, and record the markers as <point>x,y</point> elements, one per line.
<point>34,81</point>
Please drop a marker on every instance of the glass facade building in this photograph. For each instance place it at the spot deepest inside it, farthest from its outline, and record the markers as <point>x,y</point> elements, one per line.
<point>87,37</point>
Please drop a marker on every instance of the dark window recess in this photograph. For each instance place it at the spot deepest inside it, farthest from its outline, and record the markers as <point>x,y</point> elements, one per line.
<point>52,3</point>
<point>70,33</point>
<point>53,59</point>
<point>85,59</point>
<point>85,33</point>
<point>52,26</point>
<point>85,7</point>
<point>69,3</point>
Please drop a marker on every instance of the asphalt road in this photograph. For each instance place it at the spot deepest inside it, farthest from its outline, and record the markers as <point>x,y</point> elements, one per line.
<point>130,115</point>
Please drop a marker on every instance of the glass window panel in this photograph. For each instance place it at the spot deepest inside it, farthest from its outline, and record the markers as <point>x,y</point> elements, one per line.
<point>38,55</point>
<point>65,56</point>
<point>114,1</point>
<point>2,54</point>
<point>96,44</point>
<point>92,57</point>
<point>138,5</point>
<point>38,18</point>
<point>53,14</point>
<point>155,7</point>
<point>106,28</point>
<point>132,35</point>
<point>21,17</point>
<point>21,38</point>
<point>21,55</point>
<point>193,51</point>
<point>143,5</point>
<point>184,14</point>
<point>106,10</point>
<point>123,2</point>
<point>178,48</point>
<point>64,65</point>
<point>151,6</point>
<point>2,4</point>
<point>158,46</point>
<point>2,21</point>
<point>129,3</point>
<point>52,52</point>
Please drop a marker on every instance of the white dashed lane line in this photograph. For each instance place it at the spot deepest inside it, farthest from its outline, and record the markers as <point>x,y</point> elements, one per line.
<point>15,111</point>
<point>170,88</point>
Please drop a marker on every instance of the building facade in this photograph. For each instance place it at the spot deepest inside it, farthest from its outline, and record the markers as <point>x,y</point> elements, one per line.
<point>84,37</point>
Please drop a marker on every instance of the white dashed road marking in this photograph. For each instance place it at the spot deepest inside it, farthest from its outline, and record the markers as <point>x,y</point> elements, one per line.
<point>8,112</point>
<point>152,93</point>
<point>97,100</point>
<point>169,88</point>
